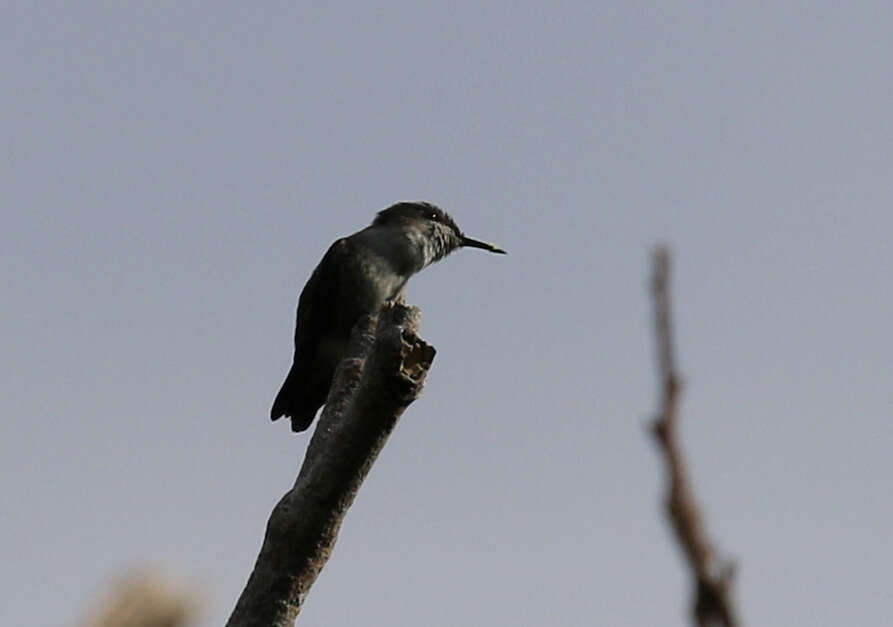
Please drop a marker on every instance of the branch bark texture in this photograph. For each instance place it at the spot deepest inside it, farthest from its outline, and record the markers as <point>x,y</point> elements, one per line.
<point>383,372</point>
<point>713,604</point>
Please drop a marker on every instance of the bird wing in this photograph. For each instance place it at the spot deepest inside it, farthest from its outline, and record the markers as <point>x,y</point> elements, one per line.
<point>318,311</point>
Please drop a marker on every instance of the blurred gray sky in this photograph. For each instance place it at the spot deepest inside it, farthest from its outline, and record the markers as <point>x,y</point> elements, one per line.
<point>172,171</point>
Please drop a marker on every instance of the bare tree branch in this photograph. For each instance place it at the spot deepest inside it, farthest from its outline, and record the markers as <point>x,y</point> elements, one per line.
<point>712,577</point>
<point>383,373</point>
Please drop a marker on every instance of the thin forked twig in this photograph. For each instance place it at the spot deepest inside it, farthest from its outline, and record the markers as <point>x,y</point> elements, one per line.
<point>713,604</point>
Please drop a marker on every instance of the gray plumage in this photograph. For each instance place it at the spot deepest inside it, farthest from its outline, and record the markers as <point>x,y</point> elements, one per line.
<point>356,276</point>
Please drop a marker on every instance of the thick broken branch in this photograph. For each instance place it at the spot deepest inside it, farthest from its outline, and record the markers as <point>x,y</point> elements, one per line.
<point>712,577</point>
<point>383,373</point>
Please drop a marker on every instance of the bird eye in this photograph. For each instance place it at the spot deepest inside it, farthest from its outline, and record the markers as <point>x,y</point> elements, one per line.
<point>434,216</point>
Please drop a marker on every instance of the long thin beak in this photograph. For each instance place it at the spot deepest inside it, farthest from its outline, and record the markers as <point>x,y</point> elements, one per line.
<point>473,243</point>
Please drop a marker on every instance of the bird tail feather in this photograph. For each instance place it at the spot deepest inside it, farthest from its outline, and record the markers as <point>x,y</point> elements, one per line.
<point>289,403</point>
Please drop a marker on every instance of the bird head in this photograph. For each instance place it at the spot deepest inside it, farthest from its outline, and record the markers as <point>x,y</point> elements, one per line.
<point>433,228</point>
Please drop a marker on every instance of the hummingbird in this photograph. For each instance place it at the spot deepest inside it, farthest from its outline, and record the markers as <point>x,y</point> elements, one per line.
<point>357,276</point>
